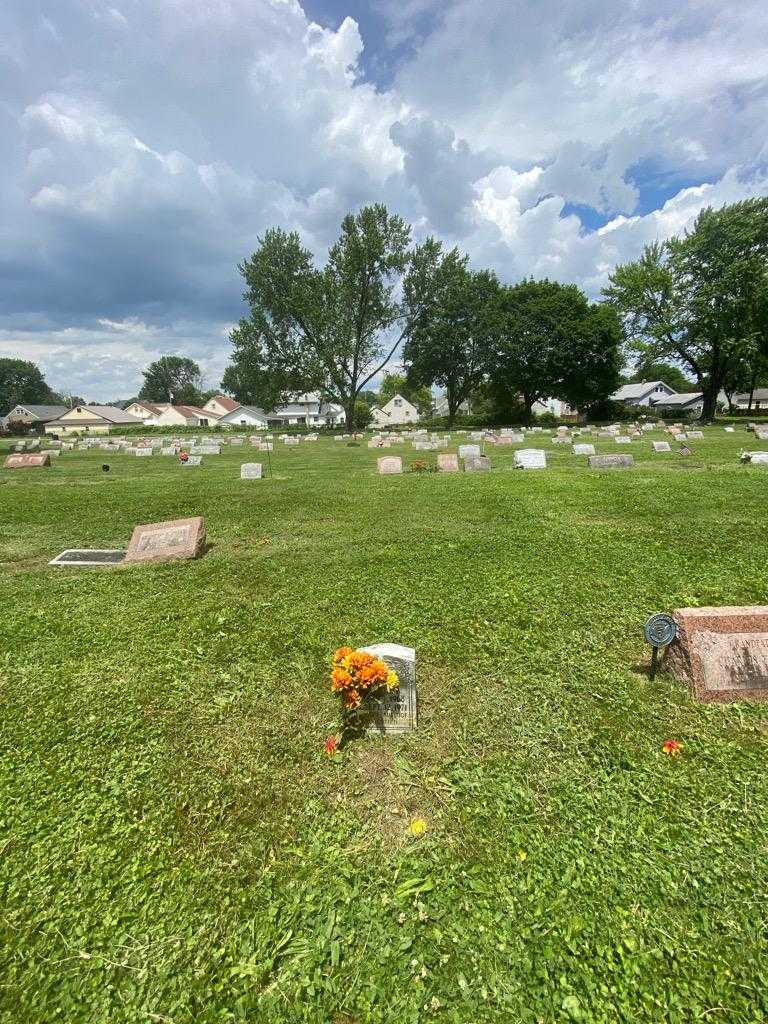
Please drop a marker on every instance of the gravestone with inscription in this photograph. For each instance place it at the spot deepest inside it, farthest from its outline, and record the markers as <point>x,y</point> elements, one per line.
<point>583,449</point>
<point>192,460</point>
<point>389,465</point>
<point>697,435</point>
<point>27,461</point>
<point>611,461</point>
<point>468,450</point>
<point>477,464</point>
<point>660,446</point>
<point>250,471</point>
<point>398,711</point>
<point>169,541</point>
<point>530,458</point>
<point>87,557</point>
<point>722,653</point>
<point>447,463</point>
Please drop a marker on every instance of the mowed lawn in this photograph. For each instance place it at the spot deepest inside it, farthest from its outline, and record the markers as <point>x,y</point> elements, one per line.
<point>176,847</point>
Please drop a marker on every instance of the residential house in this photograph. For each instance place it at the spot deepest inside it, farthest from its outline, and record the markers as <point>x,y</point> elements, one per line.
<point>34,416</point>
<point>245,416</point>
<point>645,393</point>
<point>90,419</point>
<point>186,416</point>
<point>553,406</point>
<point>308,409</point>
<point>690,402</point>
<point>759,400</point>
<point>396,413</point>
<point>147,412</point>
<point>440,407</point>
<point>221,405</point>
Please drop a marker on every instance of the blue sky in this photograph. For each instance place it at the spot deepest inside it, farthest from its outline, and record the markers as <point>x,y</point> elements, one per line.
<point>148,144</point>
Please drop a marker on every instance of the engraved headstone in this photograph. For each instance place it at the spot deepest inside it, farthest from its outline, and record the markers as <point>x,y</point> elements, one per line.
<point>250,471</point>
<point>477,464</point>
<point>468,450</point>
<point>661,446</point>
<point>26,461</point>
<point>583,449</point>
<point>611,461</point>
<point>96,557</point>
<point>192,460</point>
<point>168,541</point>
<point>389,465</point>
<point>447,463</point>
<point>530,458</point>
<point>398,712</point>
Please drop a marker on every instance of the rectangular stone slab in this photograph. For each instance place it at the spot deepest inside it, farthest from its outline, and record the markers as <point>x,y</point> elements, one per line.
<point>26,461</point>
<point>166,542</point>
<point>250,471</point>
<point>722,653</point>
<point>447,463</point>
<point>97,556</point>
<point>390,464</point>
<point>611,461</point>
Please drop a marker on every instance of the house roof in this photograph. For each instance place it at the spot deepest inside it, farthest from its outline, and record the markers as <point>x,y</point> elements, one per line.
<point>629,391</point>
<point>193,412</point>
<point>229,403</point>
<point>99,414</point>
<point>252,409</point>
<point>680,400</point>
<point>759,395</point>
<point>42,412</point>
<point>154,409</point>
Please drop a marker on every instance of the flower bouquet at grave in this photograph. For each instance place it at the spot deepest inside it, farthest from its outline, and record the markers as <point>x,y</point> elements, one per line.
<point>362,683</point>
<point>420,466</point>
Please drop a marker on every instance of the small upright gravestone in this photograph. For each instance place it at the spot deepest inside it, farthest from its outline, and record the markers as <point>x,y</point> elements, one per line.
<point>447,463</point>
<point>169,541</point>
<point>468,450</point>
<point>477,464</point>
<point>583,449</point>
<point>192,460</point>
<point>530,458</point>
<point>660,446</point>
<point>695,435</point>
<point>399,709</point>
<point>250,471</point>
<point>389,465</point>
<point>611,461</point>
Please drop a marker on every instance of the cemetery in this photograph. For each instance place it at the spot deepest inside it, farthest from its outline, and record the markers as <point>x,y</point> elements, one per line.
<point>198,819</point>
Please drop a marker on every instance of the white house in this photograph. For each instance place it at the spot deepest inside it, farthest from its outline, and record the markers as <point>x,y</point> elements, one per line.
<point>759,399</point>
<point>646,393</point>
<point>90,419</point>
<point>147,412</point>
<point>245,416</point>
<point>440,407</point>
<point>34,415</point>
<point>221,405</point>
<point>397,412</point>
<point>309,410</point>
<point>554,406</point>
<point>690,402</point>
<point>186,416</point>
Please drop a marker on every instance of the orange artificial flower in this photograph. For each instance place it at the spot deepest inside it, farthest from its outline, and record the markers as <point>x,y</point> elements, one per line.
<point>352,699</point>
<point>671,747</point>
<point>343,652</point>
<point>330,745</point>
<point>340,679</point>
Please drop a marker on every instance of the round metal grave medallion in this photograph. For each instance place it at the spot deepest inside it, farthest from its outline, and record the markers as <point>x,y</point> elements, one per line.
<point>660,630</point>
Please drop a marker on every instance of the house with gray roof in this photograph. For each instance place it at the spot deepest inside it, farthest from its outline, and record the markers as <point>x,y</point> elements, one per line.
<point>34,415</point>
<point>645,393</point>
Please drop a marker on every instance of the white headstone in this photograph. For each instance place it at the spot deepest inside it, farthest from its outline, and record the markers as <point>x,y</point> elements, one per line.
<point>530,458</point>
<point>250,471</point>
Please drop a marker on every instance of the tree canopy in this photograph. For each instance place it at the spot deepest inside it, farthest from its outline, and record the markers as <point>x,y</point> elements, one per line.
<point>329,329</point>
<point>22,381</point>
<point>174,379</point>
<point>700,299</point>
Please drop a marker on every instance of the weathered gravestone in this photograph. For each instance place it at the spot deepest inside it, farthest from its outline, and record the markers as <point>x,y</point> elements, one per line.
<point>447,463</point>
<point>467,451</point>
<point>623,439</point>
<point>561,439</point>
<point>758,458</point>
<point>389,465</point>
<point>26,461</point>
<point>721,653</point>
<point>250,471</point>
<point>611,461</point>
<point>165,542</point>
<point>398,712</point>
<point>661,446</point>
<point>729,430</point>
<point>697,435</point>
<point>205,449</point>
<point>477,464</point>
<point>530,458</point>
<point>168,450</point>
<point>192,460</point>
<point>583,449</point>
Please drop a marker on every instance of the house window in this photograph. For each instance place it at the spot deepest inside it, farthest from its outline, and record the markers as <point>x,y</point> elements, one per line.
<point>398,403</point>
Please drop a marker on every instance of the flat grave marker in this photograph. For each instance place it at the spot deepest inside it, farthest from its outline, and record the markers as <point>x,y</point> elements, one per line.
<point>168,541</point>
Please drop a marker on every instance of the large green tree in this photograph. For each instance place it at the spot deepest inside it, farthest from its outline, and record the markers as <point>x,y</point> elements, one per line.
<point>20,382</point>
<point>450,342</point>
<point>647,368</point>
<point>329,329</point>
<point>550,342</point>
<point>697,298</point>
<point>175,379</point>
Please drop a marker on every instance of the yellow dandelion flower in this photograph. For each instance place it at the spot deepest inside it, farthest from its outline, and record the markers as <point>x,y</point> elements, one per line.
<point>417,827</point>
<point>521,855</point>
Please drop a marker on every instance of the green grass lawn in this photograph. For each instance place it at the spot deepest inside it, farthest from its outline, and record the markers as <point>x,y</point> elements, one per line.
<point>176,847</point>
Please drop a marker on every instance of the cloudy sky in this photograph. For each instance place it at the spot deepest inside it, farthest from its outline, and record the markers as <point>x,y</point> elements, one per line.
<point>148,143</point>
